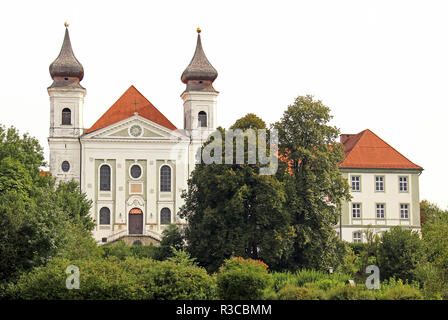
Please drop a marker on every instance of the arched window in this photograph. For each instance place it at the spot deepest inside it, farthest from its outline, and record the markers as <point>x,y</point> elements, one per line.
<point>105,178</point>
<point>66,116</point>
<point>165,216</point>
<point>104,215</point>
<point>202,119</point>
<point>165,179</point>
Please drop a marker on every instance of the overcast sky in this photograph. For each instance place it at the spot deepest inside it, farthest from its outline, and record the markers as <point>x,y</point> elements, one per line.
<point>381,65</point>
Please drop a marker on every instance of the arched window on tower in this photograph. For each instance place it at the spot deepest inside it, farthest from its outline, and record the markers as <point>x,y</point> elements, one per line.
<point>66,116</point>
<point>202,119</point>
<point>165,216</point>
<point>165,179</point>
<point>104,215</point>
<point>105,178</point>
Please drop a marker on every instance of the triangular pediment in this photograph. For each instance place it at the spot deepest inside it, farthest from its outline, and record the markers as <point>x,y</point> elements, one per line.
<point>136,128</point>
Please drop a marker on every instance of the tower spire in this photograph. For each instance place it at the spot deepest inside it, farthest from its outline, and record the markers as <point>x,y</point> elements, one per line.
<point>199,74</point>
<point>66,70</point>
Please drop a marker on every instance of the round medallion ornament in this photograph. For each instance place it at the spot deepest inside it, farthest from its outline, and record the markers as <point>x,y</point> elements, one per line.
<point>65,166</point>
<point>136,130</point>
<point>136,171</point>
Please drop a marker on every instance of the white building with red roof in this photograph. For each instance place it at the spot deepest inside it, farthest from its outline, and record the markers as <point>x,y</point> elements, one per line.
<point>133,162</point>
<point>384,187</point>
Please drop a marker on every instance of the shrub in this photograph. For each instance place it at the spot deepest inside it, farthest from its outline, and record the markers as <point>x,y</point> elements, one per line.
<point>112,278</point>
<point>397,290</point>
<point>292,292</point>
<point>399,253</point>
<point>350,293</point>
<point>243,279</point>
<point>301,277</point>
<point>325,284</point>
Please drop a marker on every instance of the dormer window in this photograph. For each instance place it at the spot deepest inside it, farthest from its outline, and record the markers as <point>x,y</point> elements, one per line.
<point>202,119</point>
<point>66,116</point>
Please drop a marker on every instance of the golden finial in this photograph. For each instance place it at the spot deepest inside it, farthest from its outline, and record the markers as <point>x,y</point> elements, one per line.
<point>198,30</point>
<point>66,24</point>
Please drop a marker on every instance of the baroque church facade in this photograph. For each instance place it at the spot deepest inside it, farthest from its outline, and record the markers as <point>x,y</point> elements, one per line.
<point>133,162</point>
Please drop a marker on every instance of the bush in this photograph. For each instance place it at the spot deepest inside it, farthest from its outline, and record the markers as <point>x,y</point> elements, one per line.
<point>399,253</point>
<point>397,290</point>
<point>123,251</point>
<point>243,279</point>
<point>300,278</point>
<point>350,293</point>
<point>112,278</point>
<point>292,292</point>
<point>325,284</point>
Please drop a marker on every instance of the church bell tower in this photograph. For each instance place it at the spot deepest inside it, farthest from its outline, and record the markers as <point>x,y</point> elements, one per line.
<point>199,98</point>
<point>66,121</point>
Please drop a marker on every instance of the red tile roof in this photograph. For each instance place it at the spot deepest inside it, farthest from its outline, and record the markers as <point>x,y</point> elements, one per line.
<point>367,150</point>
<point>125,107</point>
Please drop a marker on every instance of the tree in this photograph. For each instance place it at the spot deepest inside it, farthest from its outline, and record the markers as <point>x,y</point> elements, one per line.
<point>315,188</point>
<point>172,238</point>
<point>399,253</point>
<point>232,210</point>
<point>37,220</point>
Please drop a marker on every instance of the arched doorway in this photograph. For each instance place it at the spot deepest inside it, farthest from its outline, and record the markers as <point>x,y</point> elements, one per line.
<point>136,221</point>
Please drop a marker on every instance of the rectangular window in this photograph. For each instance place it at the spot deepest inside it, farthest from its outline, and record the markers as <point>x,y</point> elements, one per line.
<point>403,184</point>
<point>357,236</point>
<point>356,210</point>
<point>356,183</point>
<point>404,211</point>
<point>379,183</point>
<point>380,210</point>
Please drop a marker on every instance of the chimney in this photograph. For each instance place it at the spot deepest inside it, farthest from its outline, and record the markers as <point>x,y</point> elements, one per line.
<point>345,136</point>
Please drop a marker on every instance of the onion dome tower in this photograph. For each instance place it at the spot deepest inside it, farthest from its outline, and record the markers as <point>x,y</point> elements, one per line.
<point>200,99</point>
<point>66,70</point>
<point>200,74</point>
<point>66,113</point>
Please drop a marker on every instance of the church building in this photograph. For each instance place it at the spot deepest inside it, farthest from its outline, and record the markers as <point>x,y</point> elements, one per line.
<point>132,162</point>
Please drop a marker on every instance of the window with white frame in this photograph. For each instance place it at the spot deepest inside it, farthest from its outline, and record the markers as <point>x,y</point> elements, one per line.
<point>357,236</point>
<point>403,184</point>
<point>404,211</point>
<point>379,183</point>
<point>356,183</point>
<point>165,178</point>
<point>356,210</point>
<point>104,215</point>
<point>380,210</point>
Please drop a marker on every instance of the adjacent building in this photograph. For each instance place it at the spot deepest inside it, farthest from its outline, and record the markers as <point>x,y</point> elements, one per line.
<point>384,186</point>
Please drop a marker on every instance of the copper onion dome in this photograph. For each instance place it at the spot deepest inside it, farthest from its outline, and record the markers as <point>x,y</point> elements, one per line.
<point>66,69</point>
<point>200,68</point>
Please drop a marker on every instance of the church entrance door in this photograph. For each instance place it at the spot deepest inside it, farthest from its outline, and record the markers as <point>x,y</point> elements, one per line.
<point>136,221</point>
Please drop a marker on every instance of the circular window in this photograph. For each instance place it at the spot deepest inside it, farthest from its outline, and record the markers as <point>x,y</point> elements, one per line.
<point>65,166</point>
<point>135,130</point>
<point>136,171</point>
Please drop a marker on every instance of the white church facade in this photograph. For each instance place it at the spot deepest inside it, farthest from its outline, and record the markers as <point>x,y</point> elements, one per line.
<point>133,162</point>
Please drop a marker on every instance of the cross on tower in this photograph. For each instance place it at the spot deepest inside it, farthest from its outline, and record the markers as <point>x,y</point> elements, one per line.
<point>135,103</point>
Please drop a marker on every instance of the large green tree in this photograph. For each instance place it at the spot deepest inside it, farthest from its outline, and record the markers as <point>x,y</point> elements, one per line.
<point>37,220</point>
<point>232,210</point>
<point>315,188</point>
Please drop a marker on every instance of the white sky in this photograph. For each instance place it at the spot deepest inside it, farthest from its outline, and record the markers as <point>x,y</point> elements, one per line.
<point>381,65</point>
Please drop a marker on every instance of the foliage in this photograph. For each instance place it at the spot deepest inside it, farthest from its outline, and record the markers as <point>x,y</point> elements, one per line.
<point>172,237</point>
<point>75,203</point>
<point>182,257</point>
<point>315,187</point>
<point>243,279</point>
<point>122,251</point>
<point>115,279</point>
<point>350,293</point>
<point>293,292</point>
<point>399,253</point>
<point>397,290</point>
<point>36,218</point>
<point>232,210</point>
<point>304,276</point>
